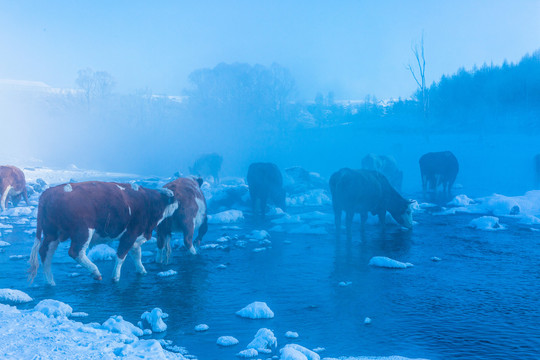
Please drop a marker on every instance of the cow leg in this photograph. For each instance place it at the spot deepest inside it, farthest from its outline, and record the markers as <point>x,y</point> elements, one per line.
<point>202,231</point>
<point>363,219</point>
<point>77,250</point>
<point>382,218</point>
<point>135,253</point>
<point>46,252</point>
<point>348,223</point>
<point>337,221</point>
<point>263,206</point>
<point>188,239</point>
<point>254,205</point>
<point>16,199</point>
<point>164,248</point>
<point>126,243</point>
<point>25,194</point>
<point>3,201</point>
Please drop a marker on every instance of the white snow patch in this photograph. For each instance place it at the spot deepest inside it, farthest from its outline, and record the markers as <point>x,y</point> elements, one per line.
<point>167,273</point>
<point>153,320</point>
<point>461,200</point>
<point>256,310</point>
<point>79,314</point>
<point>367,321</point>
<point>435,258</point>
<point>345,283</point>
<point>226,217</point>
<point>18,211</point>
<point>118,325</point>
<point>297,352</point>
<point>248,353</point>
<point>227,341</point>
<point>53,308</point>
<point>221,266</point>
<point>4,243</point>
<point>386,262</point>
<point>291,334</point>
<point>15,296</point>
<point>68,188</point>
<point>202,327</point>
<point>259,235</point>
<point>102,252</point>
<point>486,223</point>
<point>6,226</point>
<point>264,341</point>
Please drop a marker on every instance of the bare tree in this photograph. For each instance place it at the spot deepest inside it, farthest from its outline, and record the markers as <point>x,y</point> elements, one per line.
<point>94,84</point>
<point>420,75</point>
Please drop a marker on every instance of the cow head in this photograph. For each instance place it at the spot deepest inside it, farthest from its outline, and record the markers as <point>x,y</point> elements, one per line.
<point>402,213</point>
<point>171,204</point>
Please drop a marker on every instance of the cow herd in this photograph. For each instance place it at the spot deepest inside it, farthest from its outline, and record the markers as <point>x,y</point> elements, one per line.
<point>105,211</point>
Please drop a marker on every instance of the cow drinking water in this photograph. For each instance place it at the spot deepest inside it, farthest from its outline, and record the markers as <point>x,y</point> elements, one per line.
<point>438,168</point>
<point>12,186</point>
<point>265,181</point>
<point>363,191</point>
<point>188,218</point>
<point>87,210</point>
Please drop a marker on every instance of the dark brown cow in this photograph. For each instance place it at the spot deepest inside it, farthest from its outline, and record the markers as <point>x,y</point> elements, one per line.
<point>188,218</point>
<point>82,211</point>
<point>360,191</point>
<point>12,186</point>
<point>265,181</point>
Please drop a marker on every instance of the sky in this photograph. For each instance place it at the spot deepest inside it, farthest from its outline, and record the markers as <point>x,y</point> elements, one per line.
<point>354,48</point>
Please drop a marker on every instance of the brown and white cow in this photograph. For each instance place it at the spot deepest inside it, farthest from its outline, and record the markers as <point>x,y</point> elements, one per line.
<point>94,209</point>
<point>188,218</point>
<point>12,185</point>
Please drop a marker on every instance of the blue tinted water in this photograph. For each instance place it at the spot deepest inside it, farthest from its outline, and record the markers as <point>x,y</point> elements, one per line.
<point>481,301</point>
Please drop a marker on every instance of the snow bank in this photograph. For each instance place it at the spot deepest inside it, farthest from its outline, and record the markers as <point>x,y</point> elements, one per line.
<point>201,327</point>
<point>264,341</point>
<point>117,324</point>
<point>486,223</point>
<point>29,332</point>
<point>297,352</point>
<point>53,308</point>
<point>226,217</point>
<point>167,273</point>
<point>101,252</point>
<point>154,320</point>
<point>256,310</point>
<point>227,341</point>
<point>386,262</point>
<point>14,296</point>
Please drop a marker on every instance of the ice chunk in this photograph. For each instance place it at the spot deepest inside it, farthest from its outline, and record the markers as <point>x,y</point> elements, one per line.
<point>167,273</point>
<point>79,314</point>
<point>226,217</point>
<point>345,283</point>
<point>264,341</point>
<point>291,334</point>
<point>117,324</point>
<point>227,341</point>
<point>297,352</point>
<point>153,320</point>
<point>486,223</point>
<point>367,321</point>
<point>259,235</point>
<point>14,296</point>
<point>461,200</point>
<point>256,310</point>
<point>102,252</point>
<point>53,308</point>
<point>385,262</point>
<point>18,211</point>
<point>201,327</point>
<point>435,258</point>
<point>248,353</point>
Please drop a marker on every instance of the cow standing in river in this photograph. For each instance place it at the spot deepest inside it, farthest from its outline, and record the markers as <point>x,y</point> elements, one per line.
<point>265,181</point>
<point>438,168</point>
<point>188,218</point>
<point>363,191</point>
<point>12,186</point>
<point>94,209</point>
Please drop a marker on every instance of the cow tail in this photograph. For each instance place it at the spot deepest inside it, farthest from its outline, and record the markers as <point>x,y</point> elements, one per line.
<point>25,194</point>
<point>34,259</point>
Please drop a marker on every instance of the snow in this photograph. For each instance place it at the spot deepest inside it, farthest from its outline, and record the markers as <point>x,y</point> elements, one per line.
<point>287,219</point>
<point>264,341</point>
<point>25,333</point>
<point>256,310</point>
<point>226,217</point>
<point>201,327</point>
<point>297,352</point>
<point>154,320</point>
<point>291,334</point>
<point>4,226</point>
<point>315,197</point>
<point>14,296</point>
<point>118,325</point>
<point>386,262</point>
<point>227,341</point>
<point>256,250</point>
<point>345,283</point>
<point>18,211</point>
<point>221,266</point>
<point>101,252</point>
<point>53,308</point>
<point>367,321</point>
<point>461,200</point>
<point>78,314</point>
<point>486,223</point>
<point>167,273</point>
<point>435,258</point>
<point>248,353</point>
<point>259,235</point>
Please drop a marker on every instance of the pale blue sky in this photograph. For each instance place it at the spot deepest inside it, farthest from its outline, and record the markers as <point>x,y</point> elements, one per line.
<point>352,47</point>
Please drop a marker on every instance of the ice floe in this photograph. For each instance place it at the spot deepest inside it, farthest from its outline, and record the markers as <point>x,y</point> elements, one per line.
<point>487,223</point>
<point>154,320</point>
<point>101,252</point>
<point>226,217</point>
<point>264,341</point>
<point>227,341</point>
<point>14,296</point>
<point>201,327</point>
<point>386,262</point>
<point>256,310</point>
<point>297,352</point>
<point>167,273</point>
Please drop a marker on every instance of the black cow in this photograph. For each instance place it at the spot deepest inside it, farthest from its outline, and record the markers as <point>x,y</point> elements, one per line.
<point>438,168</point>
<point>265,181</point>
<point>360,191</point>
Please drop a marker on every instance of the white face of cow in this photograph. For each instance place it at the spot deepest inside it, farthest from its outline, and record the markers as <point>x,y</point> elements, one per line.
<point>406,218</point>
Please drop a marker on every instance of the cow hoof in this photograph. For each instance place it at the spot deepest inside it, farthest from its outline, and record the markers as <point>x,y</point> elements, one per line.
<point>115,280</point>
<point>98,277</point>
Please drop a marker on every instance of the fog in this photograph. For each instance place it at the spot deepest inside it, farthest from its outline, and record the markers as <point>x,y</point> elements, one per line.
<point>147,88</point>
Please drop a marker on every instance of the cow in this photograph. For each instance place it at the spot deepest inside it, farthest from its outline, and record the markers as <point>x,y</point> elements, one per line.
<point>188,218</point>
<point>363,191</point>
<point>206,166</point>
<point>438,168</point>
<point>12,186</point>
<point>386,165</point>
<point>92,210</point>
<point>265,181</point>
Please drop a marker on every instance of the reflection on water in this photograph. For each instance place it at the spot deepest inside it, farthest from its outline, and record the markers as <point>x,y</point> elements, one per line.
<point>480,301</point>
